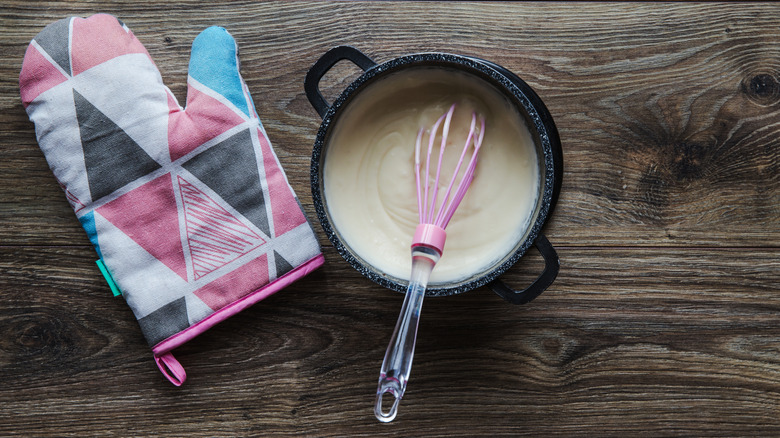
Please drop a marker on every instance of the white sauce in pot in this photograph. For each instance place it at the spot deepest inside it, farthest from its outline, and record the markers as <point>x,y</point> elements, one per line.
<point>369,178</point>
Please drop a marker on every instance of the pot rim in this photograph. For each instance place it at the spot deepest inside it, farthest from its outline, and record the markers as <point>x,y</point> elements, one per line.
<point>529,105</point>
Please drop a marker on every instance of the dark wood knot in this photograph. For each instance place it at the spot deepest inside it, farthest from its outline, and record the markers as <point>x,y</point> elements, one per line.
<point>39,337</point>
<point>688,161</point>
<point>762,88</point>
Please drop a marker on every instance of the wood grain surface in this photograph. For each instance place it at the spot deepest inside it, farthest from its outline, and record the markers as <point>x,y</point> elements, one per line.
<point>664,320</point>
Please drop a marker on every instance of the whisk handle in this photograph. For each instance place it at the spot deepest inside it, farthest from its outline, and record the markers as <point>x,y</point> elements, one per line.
<point>311,84</point>
<point>397,363</point>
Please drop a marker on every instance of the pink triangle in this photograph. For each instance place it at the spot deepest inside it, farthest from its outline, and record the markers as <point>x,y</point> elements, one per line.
<point>37,76</point>
<point>204,119</point>
<point>215,237</point>
<point>98,39</point>
<point>286,211</point>
<point>242,281</point>
<point>149,216</point>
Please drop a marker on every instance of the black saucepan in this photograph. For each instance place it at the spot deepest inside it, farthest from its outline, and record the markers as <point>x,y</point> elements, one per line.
<point>529,105</point>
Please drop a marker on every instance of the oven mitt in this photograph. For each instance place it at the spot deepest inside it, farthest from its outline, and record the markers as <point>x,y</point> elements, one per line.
<point>188,209</point>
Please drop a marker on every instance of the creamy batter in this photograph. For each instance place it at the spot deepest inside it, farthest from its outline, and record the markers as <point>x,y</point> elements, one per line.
<point>369,179</point>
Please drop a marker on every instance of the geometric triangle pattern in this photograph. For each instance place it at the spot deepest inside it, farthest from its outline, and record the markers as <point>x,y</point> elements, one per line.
<point>239,183</point>
<point>227,289</point>
<point>145,281</point>
<point>113,42</point>
<point>214,63</point>
<point>286,211</point>
<point>282,265</point>
<point>206,117</point>
<point>171,317</point>
<point>112,158</point>
<point>153,207</point>
<point>40,73</point>
<point>188,208</point>
<point>88,223</point>
<point>55,40</point>
<point>214,236</point>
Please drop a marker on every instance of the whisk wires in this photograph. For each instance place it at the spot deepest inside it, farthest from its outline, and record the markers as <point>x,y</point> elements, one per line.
<point>448,205</point>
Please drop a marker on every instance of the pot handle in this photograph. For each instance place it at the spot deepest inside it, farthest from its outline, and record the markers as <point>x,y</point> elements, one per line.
<point>545,279</point>
<point>311,84</point>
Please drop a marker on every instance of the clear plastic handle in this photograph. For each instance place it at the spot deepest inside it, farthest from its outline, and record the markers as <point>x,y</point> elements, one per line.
<point>398,359</point>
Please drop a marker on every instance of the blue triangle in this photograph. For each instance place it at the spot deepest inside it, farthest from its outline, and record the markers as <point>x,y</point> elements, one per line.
<point>88,222</point>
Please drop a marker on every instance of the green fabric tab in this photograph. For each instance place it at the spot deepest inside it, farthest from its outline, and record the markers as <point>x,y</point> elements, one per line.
<point>108,277</point>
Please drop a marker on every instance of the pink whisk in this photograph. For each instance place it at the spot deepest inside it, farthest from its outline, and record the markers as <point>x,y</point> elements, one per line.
<point>427,248</point>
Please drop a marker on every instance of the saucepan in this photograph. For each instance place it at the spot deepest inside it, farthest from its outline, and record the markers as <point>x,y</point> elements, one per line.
<point>514,90</point>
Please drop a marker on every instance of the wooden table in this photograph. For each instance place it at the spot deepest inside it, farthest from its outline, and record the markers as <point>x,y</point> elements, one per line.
<point>664,320</point>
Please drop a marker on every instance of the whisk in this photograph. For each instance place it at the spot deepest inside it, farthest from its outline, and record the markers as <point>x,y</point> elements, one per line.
<point>427,248</point>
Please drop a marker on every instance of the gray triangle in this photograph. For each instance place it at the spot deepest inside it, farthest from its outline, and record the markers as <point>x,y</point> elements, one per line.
<point>230,169</point>
<point>165,321</point>
<point>111,157</point>
<point>282,266</point>
<point>55,39</point>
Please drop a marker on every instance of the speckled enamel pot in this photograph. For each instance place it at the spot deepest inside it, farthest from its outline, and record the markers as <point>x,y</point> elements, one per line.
<point>529,105</point>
